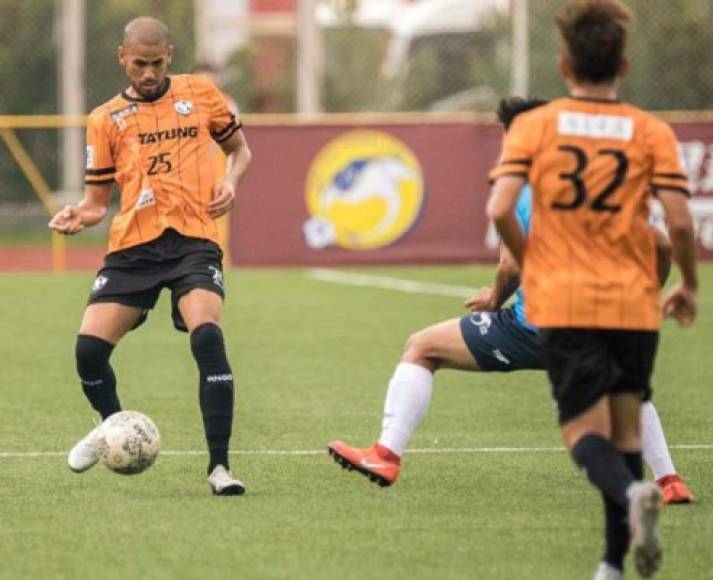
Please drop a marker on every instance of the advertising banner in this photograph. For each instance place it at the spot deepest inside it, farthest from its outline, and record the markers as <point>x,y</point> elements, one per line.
<point>696,141</point>
<point>393,193</point>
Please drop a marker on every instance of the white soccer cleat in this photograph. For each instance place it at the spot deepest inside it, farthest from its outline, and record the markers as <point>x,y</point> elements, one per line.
<point>644,506</point>
<point>606,571</point>
<point>85,454</point>
<point>223,483</point>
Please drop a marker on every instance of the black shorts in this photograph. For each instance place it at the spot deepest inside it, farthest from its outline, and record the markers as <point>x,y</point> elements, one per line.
<point>498,342</point>
<point>136,276</point>
<point>586,364</point>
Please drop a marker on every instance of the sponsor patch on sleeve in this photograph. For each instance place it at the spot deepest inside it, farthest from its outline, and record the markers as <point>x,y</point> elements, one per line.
<point>90,156</point>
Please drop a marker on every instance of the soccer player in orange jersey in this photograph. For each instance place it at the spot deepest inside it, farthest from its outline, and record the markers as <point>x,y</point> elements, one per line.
<point>490,339</point>
<point>153,140</point>
<point>589,263</point>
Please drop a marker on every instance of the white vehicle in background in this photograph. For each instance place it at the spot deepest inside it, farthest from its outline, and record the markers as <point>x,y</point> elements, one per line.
<point>445,29</point>
<point>432,18</point>
<point>449,37</point>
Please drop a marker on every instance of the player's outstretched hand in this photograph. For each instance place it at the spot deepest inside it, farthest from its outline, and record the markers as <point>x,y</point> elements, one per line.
<point>482,300</point>
<point>223,199</point>
<point>67,221</point>
<point>681,303</point>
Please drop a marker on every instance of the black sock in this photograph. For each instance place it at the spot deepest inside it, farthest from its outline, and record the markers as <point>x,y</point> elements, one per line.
<point>215,392</point>
<point>635,464</point>
<point>616,518</point>
<point>616,527</point>
<point>605,467</point>
<point>95,373</point>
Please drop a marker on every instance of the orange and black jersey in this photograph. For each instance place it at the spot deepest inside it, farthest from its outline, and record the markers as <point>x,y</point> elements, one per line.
<point>159,152</point>
<point>590,257</point>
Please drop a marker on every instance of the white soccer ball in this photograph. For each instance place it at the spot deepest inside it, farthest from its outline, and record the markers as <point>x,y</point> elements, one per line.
<point>129,442</point>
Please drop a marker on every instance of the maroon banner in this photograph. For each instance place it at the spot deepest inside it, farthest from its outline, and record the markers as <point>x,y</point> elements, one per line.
<point>697,149</point>
<point>397,193</point>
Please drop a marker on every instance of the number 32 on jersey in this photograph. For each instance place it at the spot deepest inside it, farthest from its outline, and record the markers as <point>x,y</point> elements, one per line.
<point>598,201</point>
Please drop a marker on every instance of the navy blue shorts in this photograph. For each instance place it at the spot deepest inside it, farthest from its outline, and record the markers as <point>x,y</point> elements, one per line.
<point>498,342</point>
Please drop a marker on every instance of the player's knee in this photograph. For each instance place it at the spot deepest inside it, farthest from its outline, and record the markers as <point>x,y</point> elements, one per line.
<point>92,353</point>
<point>626,440</point>
<point>207,336</point>
<point>419,348</point>
<point>414,344</point>
<point>208,345</point>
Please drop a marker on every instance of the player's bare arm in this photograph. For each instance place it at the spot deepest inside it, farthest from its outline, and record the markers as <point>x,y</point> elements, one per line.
<point>663,255</point>
<point>238,152</point>
<point>501,209</point>
<point>72,219</point>
<point>507,281</point>
<point>681,302</point>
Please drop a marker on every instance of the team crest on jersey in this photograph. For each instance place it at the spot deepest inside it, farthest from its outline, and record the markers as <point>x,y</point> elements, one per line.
<point>183,107</point>
<point>99,283</point>
<point>364,190</point>
<point>118,116</point>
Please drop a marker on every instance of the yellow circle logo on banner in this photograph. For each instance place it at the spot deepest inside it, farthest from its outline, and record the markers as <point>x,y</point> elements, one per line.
<point>364,191</point>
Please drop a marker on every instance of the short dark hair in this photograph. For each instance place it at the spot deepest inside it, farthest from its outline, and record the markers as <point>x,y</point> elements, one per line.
<point>595,34</point>
<point>511,107</point>
<point>146,30</point>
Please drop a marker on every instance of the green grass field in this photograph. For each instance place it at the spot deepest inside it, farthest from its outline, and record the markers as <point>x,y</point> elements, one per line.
<point>312,360</point>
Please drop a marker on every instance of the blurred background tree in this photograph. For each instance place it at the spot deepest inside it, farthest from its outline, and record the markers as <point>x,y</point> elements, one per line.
<point>670,53</point>
<point>105,27</point>
<point>29,68</point>
<point>467,71</point>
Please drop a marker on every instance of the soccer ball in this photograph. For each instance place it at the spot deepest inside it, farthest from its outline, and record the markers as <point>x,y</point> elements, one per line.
<point>129,442</point>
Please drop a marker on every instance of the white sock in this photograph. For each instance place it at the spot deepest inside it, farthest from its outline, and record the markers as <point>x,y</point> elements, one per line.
<point>654,446</point>
<point>406,404</point>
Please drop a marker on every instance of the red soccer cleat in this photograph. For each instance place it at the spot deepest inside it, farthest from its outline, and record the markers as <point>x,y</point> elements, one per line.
<point>674,489</point>
<point>378,463</point>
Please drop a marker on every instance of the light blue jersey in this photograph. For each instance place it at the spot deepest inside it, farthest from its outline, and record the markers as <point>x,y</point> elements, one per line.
<point>523,213</point>
<point>504,341</point>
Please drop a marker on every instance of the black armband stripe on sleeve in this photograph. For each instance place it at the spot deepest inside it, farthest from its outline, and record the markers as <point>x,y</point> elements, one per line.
<point>219,134</point>
<point>228,127</point>
<point>105,171</point>
<point>98,181</point>
<point>223,138</point>
<point>671,176</point>
<point>522,174</point>
<point>655,188</point>
<point>516,162</point>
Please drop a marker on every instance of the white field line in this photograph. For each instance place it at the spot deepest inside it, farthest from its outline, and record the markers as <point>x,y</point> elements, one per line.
<point>389,283</point>
<point>295,452</point>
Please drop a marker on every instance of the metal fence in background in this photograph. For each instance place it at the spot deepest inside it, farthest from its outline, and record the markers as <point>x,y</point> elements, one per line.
<point>34,38</point>
<point>670,66</point>
<point>369,55</point>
